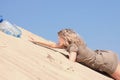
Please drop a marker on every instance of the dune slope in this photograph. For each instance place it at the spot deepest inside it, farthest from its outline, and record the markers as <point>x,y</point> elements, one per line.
<point>22,60</point>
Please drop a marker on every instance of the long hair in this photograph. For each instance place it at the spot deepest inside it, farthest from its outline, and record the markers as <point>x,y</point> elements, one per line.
<point>70,37</point>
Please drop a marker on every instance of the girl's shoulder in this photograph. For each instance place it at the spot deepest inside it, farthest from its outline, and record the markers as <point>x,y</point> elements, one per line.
<point>72,48</point>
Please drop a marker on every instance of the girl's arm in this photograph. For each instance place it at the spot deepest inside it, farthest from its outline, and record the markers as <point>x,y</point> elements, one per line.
<point>72,56</point>
<point>48,44</point>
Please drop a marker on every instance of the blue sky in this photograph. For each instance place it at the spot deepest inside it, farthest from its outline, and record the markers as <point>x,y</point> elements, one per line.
<point>97,21</point>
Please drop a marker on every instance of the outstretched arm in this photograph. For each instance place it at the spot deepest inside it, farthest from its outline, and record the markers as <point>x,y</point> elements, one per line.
<point>48,44</point>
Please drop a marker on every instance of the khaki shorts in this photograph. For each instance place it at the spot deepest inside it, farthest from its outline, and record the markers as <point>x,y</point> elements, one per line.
<point>108,59</point>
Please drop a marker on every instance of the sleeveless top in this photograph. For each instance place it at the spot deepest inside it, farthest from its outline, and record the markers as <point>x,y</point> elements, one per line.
<point>101,60</point>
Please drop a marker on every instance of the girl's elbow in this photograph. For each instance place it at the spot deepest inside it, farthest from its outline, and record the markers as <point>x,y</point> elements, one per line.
<point>72,59</point>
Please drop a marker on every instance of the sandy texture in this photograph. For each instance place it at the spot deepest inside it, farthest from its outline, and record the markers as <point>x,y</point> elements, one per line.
<point>23,60</point>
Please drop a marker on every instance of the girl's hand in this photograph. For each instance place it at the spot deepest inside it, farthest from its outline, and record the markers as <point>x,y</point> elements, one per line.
<point>31,39</point>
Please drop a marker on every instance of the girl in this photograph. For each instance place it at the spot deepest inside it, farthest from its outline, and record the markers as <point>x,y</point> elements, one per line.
<point>101,60</point>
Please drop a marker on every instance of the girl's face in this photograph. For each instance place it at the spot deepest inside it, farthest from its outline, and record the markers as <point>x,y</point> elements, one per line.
<point>61,41</point>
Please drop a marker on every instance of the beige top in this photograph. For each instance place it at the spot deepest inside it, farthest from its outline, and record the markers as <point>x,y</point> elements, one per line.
<point>101,60</point>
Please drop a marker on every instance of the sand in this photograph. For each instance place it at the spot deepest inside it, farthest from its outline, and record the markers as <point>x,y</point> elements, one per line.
<point>22,60</point>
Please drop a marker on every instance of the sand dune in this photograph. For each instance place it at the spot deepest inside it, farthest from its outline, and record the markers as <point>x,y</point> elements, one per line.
<point>23,60</point>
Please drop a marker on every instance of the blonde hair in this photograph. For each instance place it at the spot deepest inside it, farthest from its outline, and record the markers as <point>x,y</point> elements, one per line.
<point>70,37</point>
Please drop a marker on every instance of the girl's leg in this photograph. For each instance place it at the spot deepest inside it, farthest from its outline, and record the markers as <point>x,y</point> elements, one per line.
<point>116,74</point>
